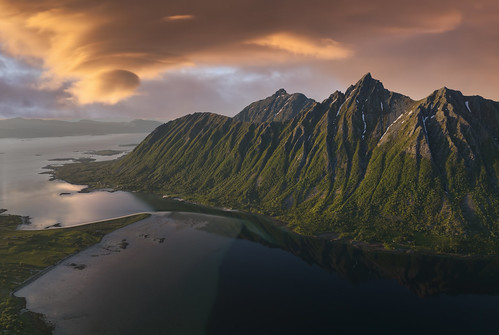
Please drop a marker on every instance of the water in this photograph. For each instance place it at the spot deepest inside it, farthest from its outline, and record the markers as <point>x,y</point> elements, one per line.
<point>225,272</point>
<point>24,191</point>
<point>217,275</point>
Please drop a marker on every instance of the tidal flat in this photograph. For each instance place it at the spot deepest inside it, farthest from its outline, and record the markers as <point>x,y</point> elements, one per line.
<point>25,254</point>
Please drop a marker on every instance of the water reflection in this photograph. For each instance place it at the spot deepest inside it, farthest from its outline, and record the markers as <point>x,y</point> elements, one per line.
<point>163,282</point>
<point>25,189</point>
<point>425,275</point>
<point>234,273</point>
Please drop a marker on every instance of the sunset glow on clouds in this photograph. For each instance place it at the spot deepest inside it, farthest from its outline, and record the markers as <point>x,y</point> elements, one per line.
<point>112,53</point>
<point>322,49</point>
<point>179,17</point>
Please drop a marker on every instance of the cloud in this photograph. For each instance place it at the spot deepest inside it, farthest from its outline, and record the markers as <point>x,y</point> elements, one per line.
<point>434,24</point>
<point>76,46</point>
<point>107,87</point>
<point>222,90</point>
<point>179,17</point>
<point>324,48</point>
<point>94,45</point>
<point>19,99</point>
<point>109,52</point>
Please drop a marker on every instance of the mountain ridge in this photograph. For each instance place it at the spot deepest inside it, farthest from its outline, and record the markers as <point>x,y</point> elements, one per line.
<point>280,106</point>
<point>370,164</point>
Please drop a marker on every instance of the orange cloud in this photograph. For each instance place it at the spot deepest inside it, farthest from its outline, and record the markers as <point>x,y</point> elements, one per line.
<point>100,50</point>
<point>436,24</point>
<point>179,17</point>
<point>324,48</point>
<point>96,45</point>
<point>60,37</point>
<point>107,87</point>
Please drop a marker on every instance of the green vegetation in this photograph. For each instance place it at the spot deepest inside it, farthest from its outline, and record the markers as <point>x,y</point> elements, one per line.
<point>24,253</point>
<point>369,164</point>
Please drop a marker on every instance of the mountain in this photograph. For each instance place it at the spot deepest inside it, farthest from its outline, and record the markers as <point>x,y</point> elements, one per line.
<point>30,128</point>
<point>279,107</point>
<point>368,164</point>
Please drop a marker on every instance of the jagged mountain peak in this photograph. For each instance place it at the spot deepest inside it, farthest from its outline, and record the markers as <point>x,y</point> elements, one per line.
<point>333,97</point>
<point>365,79</point>
<point>365,86</point>
<point>447,93</point>
<point>280,92</point>
<point>448,99</point>
<point>280,106</point>
<point>367,75</point>
<point>371,163</point>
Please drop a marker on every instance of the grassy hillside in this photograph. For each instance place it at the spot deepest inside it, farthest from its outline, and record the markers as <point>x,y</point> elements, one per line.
<point>369,164</point>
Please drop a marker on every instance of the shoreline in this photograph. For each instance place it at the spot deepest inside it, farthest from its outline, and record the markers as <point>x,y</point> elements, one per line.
<point>364,247</point>
<point>373,268</point>
<point>50,267</point>
<point>376,246</point>
<point>27,255</point>
<point>331,236</point>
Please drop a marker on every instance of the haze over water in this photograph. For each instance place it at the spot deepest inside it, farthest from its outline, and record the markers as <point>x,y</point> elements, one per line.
<point>24,191</point>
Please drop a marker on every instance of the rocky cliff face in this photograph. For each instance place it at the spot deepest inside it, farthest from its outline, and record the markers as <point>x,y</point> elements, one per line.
<point>368,163</point>
<point>279,107</point>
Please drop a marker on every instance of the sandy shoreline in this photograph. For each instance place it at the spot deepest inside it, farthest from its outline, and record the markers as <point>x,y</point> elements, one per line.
<point>71,293</point>
<point>44,271</point>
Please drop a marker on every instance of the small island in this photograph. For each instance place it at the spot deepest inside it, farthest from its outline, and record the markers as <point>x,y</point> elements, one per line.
<point>104,152</point>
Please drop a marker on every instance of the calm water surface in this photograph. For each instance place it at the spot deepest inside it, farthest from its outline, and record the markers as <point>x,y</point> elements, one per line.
<point>24,191</point>
<point>192,273</point>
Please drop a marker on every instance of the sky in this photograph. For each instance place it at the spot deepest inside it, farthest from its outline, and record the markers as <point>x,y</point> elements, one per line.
<point>157,59</point>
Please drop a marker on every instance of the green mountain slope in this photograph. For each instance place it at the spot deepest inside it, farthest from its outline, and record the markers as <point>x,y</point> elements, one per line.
<point>369,164</point>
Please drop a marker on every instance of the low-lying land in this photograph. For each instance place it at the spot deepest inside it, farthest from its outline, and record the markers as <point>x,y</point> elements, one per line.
<point>24,253</point>
<point>98,175</point>
<point>104,152</point>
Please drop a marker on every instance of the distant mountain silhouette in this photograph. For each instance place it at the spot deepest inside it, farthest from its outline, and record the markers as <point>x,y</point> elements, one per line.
<point>30,128</point>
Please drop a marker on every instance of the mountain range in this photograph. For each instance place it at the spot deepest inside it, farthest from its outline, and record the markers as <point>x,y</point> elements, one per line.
<point>31,128</point>
<point>368,164</point>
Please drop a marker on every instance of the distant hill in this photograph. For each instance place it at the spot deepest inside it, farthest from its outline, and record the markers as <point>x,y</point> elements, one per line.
<point>30,128</point>
<point>368,164</point>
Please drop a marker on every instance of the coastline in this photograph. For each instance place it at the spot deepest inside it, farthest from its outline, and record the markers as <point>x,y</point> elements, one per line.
<point>339,237</point>
<point>374,246</point>
<point>423,275</point>
<point>145,243</point>
<point>50,267</point>
<point>370,255</point>
<point>26,255</point>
